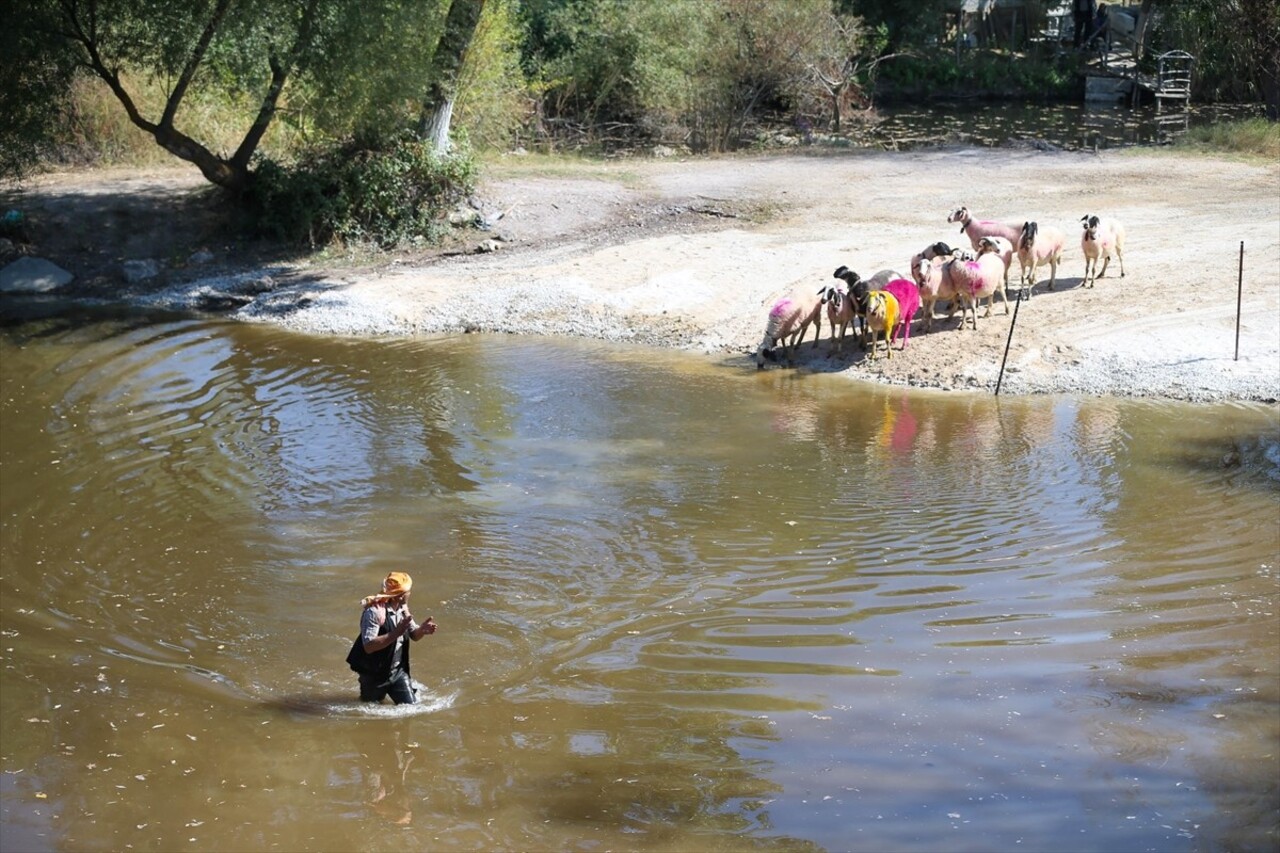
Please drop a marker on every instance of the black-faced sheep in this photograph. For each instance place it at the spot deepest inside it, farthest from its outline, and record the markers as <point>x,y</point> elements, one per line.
<point>790,317</point>
<point>858,289</point>
<point>1100,238</point>
<point>842,311</point>
<point>1039,246</point>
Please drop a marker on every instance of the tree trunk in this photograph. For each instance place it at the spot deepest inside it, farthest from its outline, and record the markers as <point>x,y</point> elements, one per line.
<point>442,82</point>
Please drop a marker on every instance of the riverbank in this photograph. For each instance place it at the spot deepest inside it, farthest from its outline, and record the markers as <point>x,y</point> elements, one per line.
<point>690,254</point>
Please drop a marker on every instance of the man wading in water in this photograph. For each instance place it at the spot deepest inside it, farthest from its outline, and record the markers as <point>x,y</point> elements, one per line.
<point>380,654</point>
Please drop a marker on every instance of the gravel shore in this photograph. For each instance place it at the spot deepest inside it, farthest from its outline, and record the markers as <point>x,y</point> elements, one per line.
<point>690,254</point>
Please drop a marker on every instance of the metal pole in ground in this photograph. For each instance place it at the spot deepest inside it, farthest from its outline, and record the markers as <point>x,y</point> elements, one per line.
<point>1012,323</point>
<point>1239,298</point>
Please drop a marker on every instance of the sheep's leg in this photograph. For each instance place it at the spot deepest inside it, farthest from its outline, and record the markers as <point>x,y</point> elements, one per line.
<point>1053,271</point>
<point>1004,297</point>
<point>1106,261</point>
<point>1120,258</point>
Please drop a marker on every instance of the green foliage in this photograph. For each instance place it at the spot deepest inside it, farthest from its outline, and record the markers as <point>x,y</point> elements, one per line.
<point>904,24</point>
<point>493,100</point>
<point>1252,137</point>
<point>977,73</point>
<point>34,72</point>
<point>391,193</point>
<point>1236,44</point>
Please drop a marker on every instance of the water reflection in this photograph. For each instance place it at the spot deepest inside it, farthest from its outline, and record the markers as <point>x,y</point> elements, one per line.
<point>682,606</point>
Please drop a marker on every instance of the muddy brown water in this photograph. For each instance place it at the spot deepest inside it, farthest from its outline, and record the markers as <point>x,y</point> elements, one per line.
<point>684,605</point>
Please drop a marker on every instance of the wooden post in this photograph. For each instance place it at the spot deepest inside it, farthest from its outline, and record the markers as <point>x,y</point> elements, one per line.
<point>1012,323</point>
<point>1239,298</point>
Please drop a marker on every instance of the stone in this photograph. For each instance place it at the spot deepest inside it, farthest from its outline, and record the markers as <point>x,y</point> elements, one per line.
<point>136,271</point>
<point>33,275</point>
<point>200,256</point>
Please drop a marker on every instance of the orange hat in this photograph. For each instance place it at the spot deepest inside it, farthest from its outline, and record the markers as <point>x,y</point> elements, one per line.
<point>396,585</point>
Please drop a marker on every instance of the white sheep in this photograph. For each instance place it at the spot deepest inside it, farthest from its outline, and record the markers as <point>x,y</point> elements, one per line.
<point>976,229</point>
<point>928,276</point>
<point>1002,249</point>
<point>1039,246</point>
<point>973,280</point>
<point>790,317</point>
<point>1100,238</point>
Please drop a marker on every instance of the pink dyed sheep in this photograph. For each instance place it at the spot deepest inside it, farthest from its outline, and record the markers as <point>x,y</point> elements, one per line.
<point>1039,246</point>
<point>790,316</point>
<point>1101,237</point>
<point>928,276</point>
<point>908,296</point>
<point>973,280</point>
<point>976,229</point>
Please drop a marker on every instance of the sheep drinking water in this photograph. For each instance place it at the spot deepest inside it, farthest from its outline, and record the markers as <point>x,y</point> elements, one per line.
<point>790,317</point>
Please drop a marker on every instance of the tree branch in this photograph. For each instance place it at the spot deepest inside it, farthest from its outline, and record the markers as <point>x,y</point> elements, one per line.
<point>193,62</point>
<point>279,74</point>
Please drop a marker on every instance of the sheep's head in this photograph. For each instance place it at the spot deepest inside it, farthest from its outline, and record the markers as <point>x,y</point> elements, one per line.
<point>847,275</point>
<point>858,293</point>
<point>876,305</point>
<point>961,215</point>
<point>832,295</point>
<point>924,269</point>
<point>1028,237</point>
<point>1090,224</point>
<point>937,250</point>
<point>986,245</point>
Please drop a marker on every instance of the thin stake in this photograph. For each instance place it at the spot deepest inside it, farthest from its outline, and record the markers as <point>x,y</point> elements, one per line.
<point>1239,298</point>
<point>1012,323</point>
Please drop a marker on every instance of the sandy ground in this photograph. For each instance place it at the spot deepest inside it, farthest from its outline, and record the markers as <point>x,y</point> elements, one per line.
<point>692,253</point>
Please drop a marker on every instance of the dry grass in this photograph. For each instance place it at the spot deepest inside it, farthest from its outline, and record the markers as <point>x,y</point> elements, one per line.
<point>98,132</point>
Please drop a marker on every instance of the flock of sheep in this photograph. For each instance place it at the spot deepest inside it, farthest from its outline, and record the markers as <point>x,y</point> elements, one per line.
<point>887,302</point>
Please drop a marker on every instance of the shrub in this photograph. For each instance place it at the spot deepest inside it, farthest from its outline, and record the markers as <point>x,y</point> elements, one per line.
<point>1256,136</point>
<point>387,192</point>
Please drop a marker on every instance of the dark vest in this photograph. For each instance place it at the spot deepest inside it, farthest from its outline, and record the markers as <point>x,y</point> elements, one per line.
<point>382,664</point>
